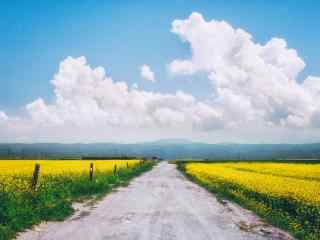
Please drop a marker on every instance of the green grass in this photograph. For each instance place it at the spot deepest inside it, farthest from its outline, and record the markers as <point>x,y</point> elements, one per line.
<point>301,220</point>
<point>54,196</point>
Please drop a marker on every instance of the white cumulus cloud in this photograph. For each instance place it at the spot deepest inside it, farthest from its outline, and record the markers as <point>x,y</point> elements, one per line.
<point>250,81</point>
<point>87,101</point>
<point>146,73</point>
<point>255,96</point>
<point>3,116</point>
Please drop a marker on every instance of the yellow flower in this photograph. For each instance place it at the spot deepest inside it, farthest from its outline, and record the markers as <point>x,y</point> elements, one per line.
<point>300,182</point>
<point>16,174</point>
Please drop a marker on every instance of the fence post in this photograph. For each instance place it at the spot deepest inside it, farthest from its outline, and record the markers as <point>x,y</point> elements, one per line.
<point>127,165</point>
<point>115,170</point>
<point>35,176</point>
<point>91,172</point>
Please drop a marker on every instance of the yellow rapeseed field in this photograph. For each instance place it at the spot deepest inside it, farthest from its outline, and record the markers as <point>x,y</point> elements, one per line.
<point>26,200</point>
<point>52,167</point>
<point>16,174</point>
<point>286,194</point>
<point>299,171</point>
<point>277,180</point>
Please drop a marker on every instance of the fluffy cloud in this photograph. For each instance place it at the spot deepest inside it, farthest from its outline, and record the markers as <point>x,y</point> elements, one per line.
<point>146,73</point>
<point>250,81</point>
<point>88,99</point>
<point>255,96</point>
<point>3,116</point>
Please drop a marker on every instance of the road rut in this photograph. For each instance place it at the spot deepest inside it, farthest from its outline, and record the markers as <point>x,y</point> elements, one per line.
<point>161,204</point>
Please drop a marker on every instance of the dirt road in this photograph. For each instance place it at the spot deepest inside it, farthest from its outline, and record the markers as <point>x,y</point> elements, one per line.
<point>161,204</point>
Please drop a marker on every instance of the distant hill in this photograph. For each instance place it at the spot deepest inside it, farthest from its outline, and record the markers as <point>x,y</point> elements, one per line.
<point>170,141</point>
<point>167,149</point>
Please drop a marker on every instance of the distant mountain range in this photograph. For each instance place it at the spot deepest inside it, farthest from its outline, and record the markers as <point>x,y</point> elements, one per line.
<point>170,141</point>
<point>167,149</point>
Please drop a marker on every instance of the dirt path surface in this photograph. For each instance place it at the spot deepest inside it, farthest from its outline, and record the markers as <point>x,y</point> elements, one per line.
<point>161,204</point>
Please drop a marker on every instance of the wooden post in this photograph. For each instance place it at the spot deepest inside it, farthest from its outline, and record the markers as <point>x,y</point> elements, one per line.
<point>127,165</point>
<point>115,170</point>
<point>91,172</point>
<point>35,177</point>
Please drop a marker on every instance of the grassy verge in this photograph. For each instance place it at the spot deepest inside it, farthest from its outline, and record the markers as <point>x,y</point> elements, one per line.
<point>300,219</point>
<point>52,200</point>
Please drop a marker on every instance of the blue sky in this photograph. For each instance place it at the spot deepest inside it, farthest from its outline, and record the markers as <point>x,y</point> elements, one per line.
<point>121,35</point>
<point>218,85</point>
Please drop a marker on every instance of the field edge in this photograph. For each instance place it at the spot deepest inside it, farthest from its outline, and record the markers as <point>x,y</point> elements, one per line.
<point>249,205</point>
<point>66,209</point>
